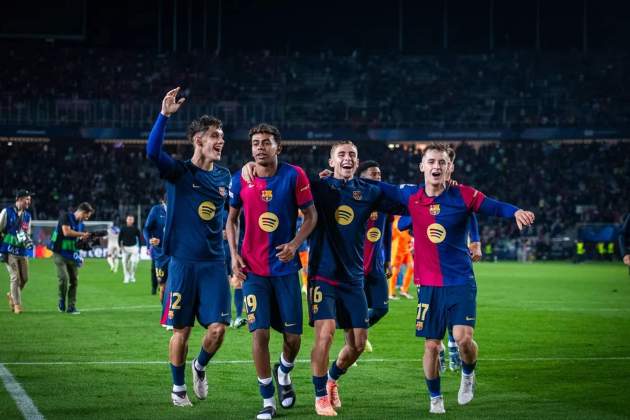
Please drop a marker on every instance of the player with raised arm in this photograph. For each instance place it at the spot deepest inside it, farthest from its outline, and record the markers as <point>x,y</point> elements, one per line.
<point>197,285</point>
<point>267,262</point>
<point>443,266</point>
<point>377,249</point>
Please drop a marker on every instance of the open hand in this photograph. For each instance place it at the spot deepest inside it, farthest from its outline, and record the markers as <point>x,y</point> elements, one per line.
<point>286,252</point>
<point>170,104</point>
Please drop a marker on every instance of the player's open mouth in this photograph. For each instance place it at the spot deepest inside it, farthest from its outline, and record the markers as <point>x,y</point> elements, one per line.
<point>436,174</point>
<point>218,149</point>
<point>261,155</point>
<point>347,166</point>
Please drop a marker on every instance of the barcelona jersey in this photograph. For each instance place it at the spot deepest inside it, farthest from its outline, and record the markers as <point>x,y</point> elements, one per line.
<point>440,226</point>
<point>270,206</point>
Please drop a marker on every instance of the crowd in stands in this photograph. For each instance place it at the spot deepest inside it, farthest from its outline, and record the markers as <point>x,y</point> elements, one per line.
<point>107,87</point>
<point>563,183</point>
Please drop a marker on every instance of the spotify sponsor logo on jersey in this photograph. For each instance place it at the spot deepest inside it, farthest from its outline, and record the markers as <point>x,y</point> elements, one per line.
<point>206,211</point>
<point>436,233</point>
<point>344,215</point>
<point>268,222</point>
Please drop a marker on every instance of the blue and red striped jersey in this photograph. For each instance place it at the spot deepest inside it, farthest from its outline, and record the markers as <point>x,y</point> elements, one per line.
<point>440,226</point>
<point>270,206</point>
<point>377,248</point>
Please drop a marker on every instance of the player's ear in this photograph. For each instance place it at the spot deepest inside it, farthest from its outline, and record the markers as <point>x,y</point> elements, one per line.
<point>421,167</point>
<point>331,163</point>
<point>279,149</point>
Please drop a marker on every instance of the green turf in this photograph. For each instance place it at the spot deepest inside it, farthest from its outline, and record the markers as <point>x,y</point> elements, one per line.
<point>553,341</point>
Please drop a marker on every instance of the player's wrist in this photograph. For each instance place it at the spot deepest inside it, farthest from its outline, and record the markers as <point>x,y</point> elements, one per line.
<point>165,114</point>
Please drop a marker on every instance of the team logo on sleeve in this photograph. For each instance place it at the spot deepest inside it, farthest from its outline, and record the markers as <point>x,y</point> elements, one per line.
<point>206,211</point>
<point>373,234</point>
<point>434,209</point>
<point>268,222</point>
<point>357,195</point>
<point>266,195</point>
<point>344,215</point>
<point>436,233</point>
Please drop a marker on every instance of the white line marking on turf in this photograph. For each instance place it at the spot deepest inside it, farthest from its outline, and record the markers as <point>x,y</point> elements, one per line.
<point>242,362</point>
<point>21,398</point>
<point>111,308</point>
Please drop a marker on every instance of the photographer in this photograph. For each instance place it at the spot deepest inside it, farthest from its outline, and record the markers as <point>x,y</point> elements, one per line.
<point>64,240</point>
<point>15,241</point>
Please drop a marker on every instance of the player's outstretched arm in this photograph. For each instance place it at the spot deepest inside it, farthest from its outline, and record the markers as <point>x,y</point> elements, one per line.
<point>491,207</point>
<point>170,105</point>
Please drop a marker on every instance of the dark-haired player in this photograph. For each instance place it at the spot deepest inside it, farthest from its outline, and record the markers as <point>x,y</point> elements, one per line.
<point>197,285</point>
<point>377,250</point>
<point>267,262</point>
<point>443,266</point>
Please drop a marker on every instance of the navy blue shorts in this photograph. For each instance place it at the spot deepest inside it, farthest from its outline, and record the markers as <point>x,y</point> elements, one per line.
<point>344,302</point>
<point>442,306</point>
<point>197,289</point>
<point>274,302</point>
<point>376,291</point>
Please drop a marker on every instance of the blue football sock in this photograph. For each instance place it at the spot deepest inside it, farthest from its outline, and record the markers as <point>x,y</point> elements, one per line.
<point>204,357</point>
<point>320,385</point>
<point>238,302</point>
<point>266,387</point>
<point>178,374</point>
<point>335,371</point>
<point>467,369</point>
<point>434,387</point>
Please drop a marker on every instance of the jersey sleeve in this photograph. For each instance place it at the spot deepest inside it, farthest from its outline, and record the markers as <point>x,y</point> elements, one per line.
<point>472,197</point>
<point>303,193</point>
<point>64,220</point>
<point>235,191</point>
<point>148,225</point>
<point>474,229</point>
<point>404,223</point>
<point>165,163</point>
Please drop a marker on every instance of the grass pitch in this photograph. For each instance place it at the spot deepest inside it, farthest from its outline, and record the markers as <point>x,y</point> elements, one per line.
<point>553,338</point>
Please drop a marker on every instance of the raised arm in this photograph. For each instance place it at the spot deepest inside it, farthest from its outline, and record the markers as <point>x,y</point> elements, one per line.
<point>163,160</point>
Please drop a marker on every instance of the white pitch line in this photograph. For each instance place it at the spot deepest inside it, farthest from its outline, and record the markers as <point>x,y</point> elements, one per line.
<point>21,398</point>
<point>111,308</point>
<point>243,362</point>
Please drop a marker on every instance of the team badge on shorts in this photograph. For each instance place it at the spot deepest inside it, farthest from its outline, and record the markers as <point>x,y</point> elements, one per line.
<point>357,195</point>
<point>434,209</point>
<point>251,318</point>
<point>315,308</point>
<point>419,325</point>
<point>171,315</point>
<point>266,195</point>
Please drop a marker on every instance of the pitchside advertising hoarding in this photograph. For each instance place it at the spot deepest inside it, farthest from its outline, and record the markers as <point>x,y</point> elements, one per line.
<point>41,251</point>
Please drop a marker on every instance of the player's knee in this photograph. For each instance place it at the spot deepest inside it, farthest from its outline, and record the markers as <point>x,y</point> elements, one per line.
<point>432,346</point>
<point>377,314</point>
<point>216,331</point>
<point>293,341</point>
<point>465,341</point>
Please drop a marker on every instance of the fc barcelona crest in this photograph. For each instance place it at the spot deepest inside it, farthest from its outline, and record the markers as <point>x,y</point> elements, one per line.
<point>266,195</point>
<point>357,195</point>
<point>373,215</point>
<point>222,191</point>
<point>434,209</point>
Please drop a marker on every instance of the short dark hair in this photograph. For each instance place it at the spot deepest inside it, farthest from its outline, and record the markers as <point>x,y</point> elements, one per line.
<point>440,147</point>
<point>130,215</point>
<point>363,166</point>
<point>202,124</point>
<point>86,207</point>
<point>265,128</point>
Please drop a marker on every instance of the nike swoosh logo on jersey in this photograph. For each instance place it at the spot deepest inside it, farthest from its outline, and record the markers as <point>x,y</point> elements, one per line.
<point>196,186</point>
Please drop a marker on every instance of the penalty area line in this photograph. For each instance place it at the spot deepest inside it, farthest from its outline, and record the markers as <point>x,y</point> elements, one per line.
<point>22,400</point>
<point>360,361</point>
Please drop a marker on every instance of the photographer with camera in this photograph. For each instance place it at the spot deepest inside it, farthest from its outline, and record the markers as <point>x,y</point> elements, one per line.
<point>15,241</point>
<point>65,247</point>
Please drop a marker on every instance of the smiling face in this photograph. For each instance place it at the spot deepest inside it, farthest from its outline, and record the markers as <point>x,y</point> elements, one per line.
<point>210,143</point>
<point>265,149</point>
<point>23,203</point>
<point>435,166</point>
<point>344,159</point>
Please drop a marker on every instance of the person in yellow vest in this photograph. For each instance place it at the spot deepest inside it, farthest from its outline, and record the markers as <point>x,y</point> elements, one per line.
<point>580,251</point>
